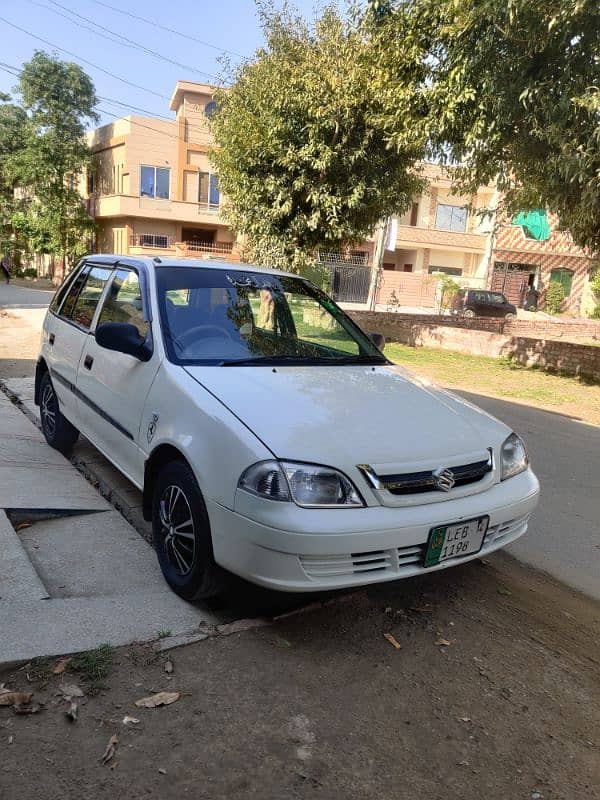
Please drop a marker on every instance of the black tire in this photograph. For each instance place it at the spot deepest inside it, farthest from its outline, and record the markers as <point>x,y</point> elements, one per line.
<point>469,313</point>
<point>510,315</point>
<point>185,555</point>
<point>57,429</point>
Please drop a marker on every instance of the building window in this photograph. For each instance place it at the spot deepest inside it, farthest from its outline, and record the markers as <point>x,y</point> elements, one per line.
<point>210,109</point>
<point>154,182</point>
<point>153,240</point>
<point>209,194</point>
<point>564,277</point>
<point>407,268</point>
<point>446,270</point>
<point>414,213</point>
<point>451,218</point>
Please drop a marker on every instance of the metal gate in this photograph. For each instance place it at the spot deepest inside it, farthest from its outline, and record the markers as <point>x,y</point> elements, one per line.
<point>349,274</point>
<point>512,280</point>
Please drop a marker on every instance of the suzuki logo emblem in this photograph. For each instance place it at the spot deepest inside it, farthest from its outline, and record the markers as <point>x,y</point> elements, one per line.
<point>444,479</point>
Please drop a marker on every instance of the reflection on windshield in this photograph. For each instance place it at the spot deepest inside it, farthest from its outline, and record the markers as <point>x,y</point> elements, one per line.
<point>212,316</point>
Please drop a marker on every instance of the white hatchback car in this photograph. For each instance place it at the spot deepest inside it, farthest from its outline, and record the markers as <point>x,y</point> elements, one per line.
<point>270,436</point>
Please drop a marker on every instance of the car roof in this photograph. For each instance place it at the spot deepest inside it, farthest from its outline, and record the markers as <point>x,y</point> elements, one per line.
<point>188,263</point>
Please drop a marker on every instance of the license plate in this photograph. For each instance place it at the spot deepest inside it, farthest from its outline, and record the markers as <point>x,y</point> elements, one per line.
<point>456,540</point>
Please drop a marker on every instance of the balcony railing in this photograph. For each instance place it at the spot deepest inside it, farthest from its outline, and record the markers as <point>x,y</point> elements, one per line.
<point>216,248</point>
<point>157,240</point>
<point>209,208</point>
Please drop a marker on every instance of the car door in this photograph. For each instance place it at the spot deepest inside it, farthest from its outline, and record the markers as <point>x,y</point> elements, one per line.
<point>112,386</point>
<point>66,333</point>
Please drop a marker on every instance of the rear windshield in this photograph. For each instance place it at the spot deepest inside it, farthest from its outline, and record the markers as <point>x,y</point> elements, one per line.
<point>221,317</point>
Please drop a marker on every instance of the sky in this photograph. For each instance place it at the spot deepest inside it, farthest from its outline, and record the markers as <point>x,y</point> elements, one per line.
<point>229,24</point>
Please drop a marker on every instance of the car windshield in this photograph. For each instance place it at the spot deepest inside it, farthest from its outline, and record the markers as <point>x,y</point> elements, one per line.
<point>233,317</point>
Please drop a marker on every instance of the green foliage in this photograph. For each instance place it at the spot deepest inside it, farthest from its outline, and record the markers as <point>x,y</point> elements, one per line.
<point>302,144</point>
<point>447,288</point>
<point>58,99</point>
<point>555,294</point>
<point>93,665</point>
<point>511,91</point>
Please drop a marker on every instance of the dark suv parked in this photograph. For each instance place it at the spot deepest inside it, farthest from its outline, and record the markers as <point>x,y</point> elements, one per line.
<point>479,303</point>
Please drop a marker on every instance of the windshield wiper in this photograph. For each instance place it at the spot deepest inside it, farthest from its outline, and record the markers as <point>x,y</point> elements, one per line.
<point>300,361</point>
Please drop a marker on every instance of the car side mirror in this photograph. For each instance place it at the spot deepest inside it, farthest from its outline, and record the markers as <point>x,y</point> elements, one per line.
<point>123,338</point>
<point>378,340</point>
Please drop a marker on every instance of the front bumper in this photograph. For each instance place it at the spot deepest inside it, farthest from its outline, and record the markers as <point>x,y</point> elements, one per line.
<point>284,547</point>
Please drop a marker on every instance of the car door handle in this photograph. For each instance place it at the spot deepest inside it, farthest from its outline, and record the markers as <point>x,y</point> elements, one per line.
<point>51,338</point>
<point>88,361</point>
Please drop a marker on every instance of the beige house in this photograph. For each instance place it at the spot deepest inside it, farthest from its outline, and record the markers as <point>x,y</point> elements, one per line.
<point>153,190</point>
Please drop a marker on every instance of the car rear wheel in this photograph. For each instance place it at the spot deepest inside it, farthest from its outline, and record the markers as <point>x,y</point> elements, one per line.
<point>57,429</point>
<point>181,534</point>
<point>469,313</point>
<point>510,315</point>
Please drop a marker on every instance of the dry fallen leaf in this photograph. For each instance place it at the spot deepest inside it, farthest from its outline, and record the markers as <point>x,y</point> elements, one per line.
<point>27,708</point>
<point>159,699</point>
<point>60,666</point>
<point>392,640</point>
<point>70,690</point>
<point>127,720</point>
<point>168,666</point>
<point>72,711</point>
<point>15,698</point>
<point>444,642</point>
<point>110,749</point>
<point>22,525</point>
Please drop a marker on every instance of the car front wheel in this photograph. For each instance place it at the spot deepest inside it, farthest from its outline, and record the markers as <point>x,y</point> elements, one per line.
<point>181,534</point>
<point>469,313</point>
<point>57,430</point>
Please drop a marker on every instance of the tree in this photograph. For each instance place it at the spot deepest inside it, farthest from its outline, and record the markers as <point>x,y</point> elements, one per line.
<point>58,99</point>
<point>302,147</point>
<point>511,92</point>
<point>12,122</point>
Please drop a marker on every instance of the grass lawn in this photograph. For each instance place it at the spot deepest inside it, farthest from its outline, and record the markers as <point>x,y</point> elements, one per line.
<point>501,378</point>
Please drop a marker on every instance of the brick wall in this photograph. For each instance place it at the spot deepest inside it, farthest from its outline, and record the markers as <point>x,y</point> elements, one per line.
<point>490,337</point>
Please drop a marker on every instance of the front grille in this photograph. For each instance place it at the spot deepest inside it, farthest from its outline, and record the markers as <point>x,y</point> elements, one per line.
<point>426,481</point>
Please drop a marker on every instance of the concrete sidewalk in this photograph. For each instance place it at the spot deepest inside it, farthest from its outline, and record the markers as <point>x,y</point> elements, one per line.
<point>73,572</point>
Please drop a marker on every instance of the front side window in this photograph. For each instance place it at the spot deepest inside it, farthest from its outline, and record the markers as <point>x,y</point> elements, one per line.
<point>82,311</point>
<point>451,218</point>
<point>155,182</point>
<point>217,317</point>
<point>123,302</point>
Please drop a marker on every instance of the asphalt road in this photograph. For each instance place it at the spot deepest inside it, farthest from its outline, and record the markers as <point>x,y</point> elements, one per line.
<point>564,533</point>
<point>12,296</point>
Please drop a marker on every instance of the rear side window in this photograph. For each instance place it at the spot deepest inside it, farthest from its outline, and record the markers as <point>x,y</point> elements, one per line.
<point>73,293</point>
<point>62,291</point>
<point>123,303</point>
<point>83,309</point>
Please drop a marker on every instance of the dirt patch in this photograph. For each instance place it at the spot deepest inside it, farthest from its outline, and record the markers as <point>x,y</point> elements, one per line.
<point>493,693</point>
<point>20,333</point>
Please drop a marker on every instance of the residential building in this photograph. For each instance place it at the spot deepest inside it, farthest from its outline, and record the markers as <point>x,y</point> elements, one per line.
<point>529,251</point>
<point>153,190</point>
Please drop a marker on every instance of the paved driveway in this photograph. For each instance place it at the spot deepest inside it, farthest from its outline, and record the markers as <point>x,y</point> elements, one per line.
<point>12,296</point>
<point>564,536</point>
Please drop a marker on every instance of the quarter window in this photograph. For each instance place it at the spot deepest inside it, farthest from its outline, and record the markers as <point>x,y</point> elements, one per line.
<point>62,291</point>
<point>451,218</point>
<point>73,293</point>
<point>155,182</point>
<point>123,303</point>
<point>82,312</point>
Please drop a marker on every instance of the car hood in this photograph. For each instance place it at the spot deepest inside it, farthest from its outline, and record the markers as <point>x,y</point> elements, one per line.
<point>348,415</point>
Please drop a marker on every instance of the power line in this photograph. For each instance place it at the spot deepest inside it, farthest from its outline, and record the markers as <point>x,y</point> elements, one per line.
<point>16,72</point>
<point>169,30</point>
<point>120,39</point>
<point>89,63</point>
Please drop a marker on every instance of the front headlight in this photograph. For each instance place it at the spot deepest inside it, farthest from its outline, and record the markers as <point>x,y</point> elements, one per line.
<point>308,485</point>
<point>514,457</point>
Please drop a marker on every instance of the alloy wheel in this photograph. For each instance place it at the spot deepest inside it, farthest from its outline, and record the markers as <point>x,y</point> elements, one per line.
<point>177,526</point>
<point>48,408</point>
